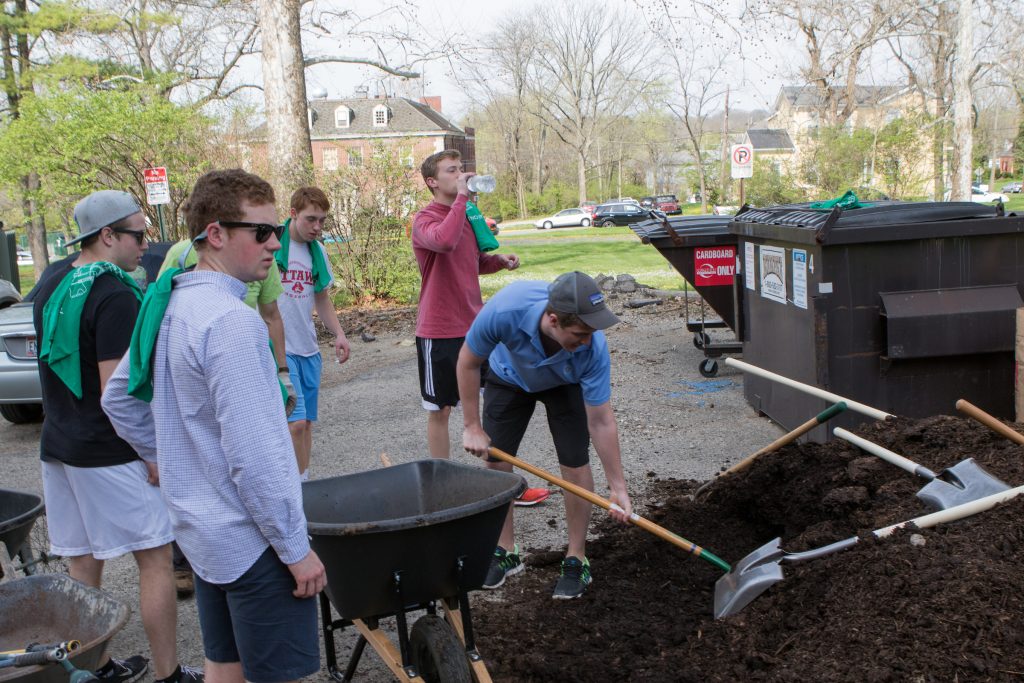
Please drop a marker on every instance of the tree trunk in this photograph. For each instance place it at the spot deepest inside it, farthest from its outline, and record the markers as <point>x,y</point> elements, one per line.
<point>284,90</point>
<point>963,118</point>
<point>35,228</point>
<point>723,171</point>
<point>581,174</point>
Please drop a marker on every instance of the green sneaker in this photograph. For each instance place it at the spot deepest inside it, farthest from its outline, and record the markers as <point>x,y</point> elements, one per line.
<point>503,565</point>
<point>574,579</point>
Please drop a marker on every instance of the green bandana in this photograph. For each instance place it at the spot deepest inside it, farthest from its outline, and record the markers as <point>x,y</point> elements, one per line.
<point>484,237</point>
<point>321,276</point>
<point>62,319</point>
<point>147,328</point>
<point>847,201</point>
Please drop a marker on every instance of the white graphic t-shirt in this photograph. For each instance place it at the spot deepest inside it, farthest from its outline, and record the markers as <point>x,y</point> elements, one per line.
<point>296,302</point>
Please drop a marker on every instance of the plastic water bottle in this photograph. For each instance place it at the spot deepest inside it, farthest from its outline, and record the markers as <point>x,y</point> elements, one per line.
<point>482,183</point>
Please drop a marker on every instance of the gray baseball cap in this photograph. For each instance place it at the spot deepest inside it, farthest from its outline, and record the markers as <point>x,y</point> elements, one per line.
<point>577,293</point>
<point>101,209</point>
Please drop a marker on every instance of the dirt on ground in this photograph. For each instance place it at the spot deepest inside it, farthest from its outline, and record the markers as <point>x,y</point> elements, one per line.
<point>950,609</point>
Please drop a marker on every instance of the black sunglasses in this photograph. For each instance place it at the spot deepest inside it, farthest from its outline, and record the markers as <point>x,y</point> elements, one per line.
<point>263,230</point>
<point>139,235</point>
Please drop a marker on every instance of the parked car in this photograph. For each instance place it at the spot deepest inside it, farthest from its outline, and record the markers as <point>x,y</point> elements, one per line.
<point>982,197</point>
<point>493,225</point>
<point>619,213</point>
<point>624,200</point>
<point>666,203</point>
<point>589,207</point>
<point>24,257</point>
<point>565,218</point>
<point>1013,187</point>
<point>21,398</point>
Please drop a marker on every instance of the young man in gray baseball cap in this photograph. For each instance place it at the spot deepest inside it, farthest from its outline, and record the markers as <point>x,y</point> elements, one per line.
<point>544,343</point>
<point>101,498</point>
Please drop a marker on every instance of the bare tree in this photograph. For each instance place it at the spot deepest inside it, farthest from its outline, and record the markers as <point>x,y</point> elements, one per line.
<point>589,68</point>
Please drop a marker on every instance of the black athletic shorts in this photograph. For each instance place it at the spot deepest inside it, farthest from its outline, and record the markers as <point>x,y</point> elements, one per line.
<point>507,413</point>
<point>437,360</point>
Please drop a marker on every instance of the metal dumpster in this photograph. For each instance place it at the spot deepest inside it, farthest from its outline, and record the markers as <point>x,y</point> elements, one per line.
<point>703,250</point>
<point>903,306</point>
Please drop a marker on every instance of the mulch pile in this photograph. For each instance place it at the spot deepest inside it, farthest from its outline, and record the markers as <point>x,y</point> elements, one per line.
<point>885,610</point>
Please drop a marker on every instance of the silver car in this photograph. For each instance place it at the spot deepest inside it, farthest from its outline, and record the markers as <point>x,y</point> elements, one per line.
<point>21,399</point>
<point>565,218</point>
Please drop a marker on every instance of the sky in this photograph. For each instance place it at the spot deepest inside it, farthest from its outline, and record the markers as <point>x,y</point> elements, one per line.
<point>756,86</point>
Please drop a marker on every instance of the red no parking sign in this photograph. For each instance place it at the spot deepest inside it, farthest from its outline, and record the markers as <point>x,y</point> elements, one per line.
<point>742,161</point>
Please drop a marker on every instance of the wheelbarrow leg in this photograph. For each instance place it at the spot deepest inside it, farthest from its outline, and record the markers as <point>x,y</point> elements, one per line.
<point>357,653</point>
<point>462,622</point>
<point>403,628</point>
<point>330,654</point>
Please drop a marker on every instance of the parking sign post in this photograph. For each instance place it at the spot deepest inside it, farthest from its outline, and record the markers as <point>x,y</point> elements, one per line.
<point>158,192</point>
<point>742,164</point>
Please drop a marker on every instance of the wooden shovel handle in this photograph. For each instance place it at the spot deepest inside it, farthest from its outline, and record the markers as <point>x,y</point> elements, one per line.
<point>992,423</point>
<point>590,496</point>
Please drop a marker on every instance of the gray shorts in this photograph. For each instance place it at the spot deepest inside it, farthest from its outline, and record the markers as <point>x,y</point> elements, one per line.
<point>103,511</point>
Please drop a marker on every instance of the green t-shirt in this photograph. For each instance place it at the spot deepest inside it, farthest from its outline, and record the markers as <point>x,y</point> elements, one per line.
<point>260,292</point>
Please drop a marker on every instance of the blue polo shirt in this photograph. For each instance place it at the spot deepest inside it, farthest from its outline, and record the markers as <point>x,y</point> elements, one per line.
<point>507,333</point>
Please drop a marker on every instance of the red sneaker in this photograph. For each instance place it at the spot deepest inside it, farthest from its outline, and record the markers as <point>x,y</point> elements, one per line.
<point>532,497</point>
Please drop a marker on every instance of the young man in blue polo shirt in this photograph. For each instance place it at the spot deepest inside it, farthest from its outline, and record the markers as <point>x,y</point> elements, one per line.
<point>543,343</point>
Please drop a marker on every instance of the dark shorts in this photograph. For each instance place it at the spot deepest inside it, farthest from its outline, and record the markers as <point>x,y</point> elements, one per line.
<point>507,413</point>
<point>256,620</point>
<point>437,360</point>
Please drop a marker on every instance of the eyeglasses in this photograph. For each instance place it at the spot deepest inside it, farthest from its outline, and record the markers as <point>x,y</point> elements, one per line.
<point>139,235</point>
<point>263,230</point>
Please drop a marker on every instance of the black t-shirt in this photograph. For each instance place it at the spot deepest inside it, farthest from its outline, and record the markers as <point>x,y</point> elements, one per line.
<point>78,432</point>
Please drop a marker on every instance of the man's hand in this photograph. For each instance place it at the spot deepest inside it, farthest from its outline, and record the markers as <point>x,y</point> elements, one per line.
<point>475,441</point>
<point>309,574</point>
<point>510,261</point>
<point>286,380</point>
<point>341,349</point>
<point>621,498</point>
<point>461,183</point>
<point>153,473</point>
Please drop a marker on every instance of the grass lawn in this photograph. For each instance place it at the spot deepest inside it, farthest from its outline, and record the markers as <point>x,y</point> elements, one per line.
<point>547,259</point>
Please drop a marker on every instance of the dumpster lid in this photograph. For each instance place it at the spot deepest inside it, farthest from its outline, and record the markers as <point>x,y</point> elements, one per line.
<point>880,221</point>
<point>655,228</point>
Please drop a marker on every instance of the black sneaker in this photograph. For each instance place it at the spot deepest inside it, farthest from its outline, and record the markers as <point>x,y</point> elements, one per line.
<point>191,675</point>
<point>574,579</point>
<point>123,670</point>
<point>503,565</point>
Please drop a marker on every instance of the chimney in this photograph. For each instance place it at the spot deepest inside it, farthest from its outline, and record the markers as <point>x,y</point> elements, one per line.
<point>434,102</point>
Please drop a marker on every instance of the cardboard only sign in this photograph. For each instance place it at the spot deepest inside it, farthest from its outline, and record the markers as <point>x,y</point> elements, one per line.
<point>714,266</point>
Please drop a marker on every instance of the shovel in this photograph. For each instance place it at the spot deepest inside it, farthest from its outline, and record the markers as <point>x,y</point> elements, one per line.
<point>992,423</point>
<point>761,569</point>
<point>591,497</point>
<point>961,483</point>
<point>789,437</point>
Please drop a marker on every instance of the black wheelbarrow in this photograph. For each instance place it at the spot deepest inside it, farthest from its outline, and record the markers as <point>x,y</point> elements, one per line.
<point>18,512</point>
<point>416,536</point>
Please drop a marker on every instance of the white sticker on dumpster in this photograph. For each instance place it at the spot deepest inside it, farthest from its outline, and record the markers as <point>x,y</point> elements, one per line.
<point>748,256</point>
<point>773,273</point>
<point>800,278</point>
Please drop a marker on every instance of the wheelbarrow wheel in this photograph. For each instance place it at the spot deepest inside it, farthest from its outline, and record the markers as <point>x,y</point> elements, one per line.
<point>437,652</point>
<point>35,558</point>
<point>708,367</point>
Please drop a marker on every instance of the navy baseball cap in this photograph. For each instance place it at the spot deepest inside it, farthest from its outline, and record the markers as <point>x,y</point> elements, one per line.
<point>577,293</point>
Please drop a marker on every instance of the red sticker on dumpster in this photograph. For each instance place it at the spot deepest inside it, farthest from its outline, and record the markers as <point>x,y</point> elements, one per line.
<point>714,266</point>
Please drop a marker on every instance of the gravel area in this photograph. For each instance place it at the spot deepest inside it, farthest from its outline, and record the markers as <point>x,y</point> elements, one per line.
<point>673,423</point>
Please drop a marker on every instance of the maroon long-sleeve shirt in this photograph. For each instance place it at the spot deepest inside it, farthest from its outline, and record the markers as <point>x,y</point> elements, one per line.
<point>450,267</point>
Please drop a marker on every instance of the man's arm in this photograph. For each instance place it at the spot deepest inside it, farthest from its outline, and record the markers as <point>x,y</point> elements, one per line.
<point>443,236</point>
<point>467,371</point>
<point>132,419</point>
<point>604,434</point>
<point>492,263</point>
<point>329,317</point>
<point>271,315</point>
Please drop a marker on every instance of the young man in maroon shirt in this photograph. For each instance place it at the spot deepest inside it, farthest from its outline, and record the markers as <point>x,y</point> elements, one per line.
<point>450,264</point>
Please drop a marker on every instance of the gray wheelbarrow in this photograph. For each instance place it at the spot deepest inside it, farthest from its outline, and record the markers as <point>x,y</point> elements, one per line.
<point>762,569</point>
<point>961,483</point>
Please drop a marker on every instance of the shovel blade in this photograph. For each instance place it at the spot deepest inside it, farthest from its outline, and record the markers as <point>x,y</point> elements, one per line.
<point>961,483</point>
<point>751,576</point>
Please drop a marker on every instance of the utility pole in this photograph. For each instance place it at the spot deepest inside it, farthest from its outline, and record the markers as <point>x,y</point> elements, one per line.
<point>620,170</point>
<point>723,176</point>
<point>963,136</point>
<point>995,151</point>
<point>600,173</point>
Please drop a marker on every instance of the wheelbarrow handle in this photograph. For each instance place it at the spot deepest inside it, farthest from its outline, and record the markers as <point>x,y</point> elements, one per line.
<point>992,423</point>
<point>855,406</point>
<point>885,454</point>
<point>592,497</point>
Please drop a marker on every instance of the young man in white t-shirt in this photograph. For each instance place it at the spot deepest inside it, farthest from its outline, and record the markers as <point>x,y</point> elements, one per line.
<point>306,277</point>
